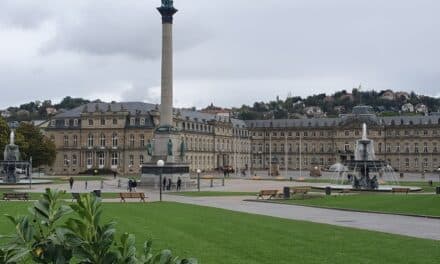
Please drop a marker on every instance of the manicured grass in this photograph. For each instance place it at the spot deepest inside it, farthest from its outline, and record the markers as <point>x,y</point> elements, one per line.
<point>219,236</point>
<point>390,203</point>
<point>212,194</point>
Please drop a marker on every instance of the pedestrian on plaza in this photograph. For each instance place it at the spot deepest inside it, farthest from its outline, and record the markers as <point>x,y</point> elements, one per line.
<point>169,184</point>
<point>130,185</point>
<point>134,185</point>
<point>102,184</point>
<point>164,183</point>
<point>224,173</point>
<point>179,183</point>
<point>85,184</point>
<point>119,183</point>
<point>71,182</point>
<point>114,175</point>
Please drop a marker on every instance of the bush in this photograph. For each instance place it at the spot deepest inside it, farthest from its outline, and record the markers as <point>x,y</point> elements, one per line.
<point>56,233</point>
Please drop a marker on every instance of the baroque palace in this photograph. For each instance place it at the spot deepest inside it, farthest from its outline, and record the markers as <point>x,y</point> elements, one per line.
<point>114,136</point>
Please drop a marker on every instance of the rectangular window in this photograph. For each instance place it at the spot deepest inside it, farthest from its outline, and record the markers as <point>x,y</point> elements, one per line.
<point>141,159</point>
<point>142,141</point>
<point>89,159</point>
<point>75,122</point>
<point>114,159</point>
<point>66,141</point>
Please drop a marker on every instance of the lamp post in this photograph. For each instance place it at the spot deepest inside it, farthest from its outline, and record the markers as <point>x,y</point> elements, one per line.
<point>438,171</point>
<point>160,164</point>
<point>198,179</point>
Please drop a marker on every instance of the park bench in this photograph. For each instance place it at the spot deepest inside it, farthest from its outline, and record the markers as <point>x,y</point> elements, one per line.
<point>269,193</point>
<point>400,190</point>
<point>15,196</point>
<point>303,190</point>
<point>132,195</point>
<point>343,191</point>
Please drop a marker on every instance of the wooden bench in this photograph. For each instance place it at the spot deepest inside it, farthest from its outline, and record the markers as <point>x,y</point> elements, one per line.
<point>400,190</point>
<point>269,193</point>
<point>303,190</point>
<point>343,191</point>
<point>300,190</point>
<point>133,195</point>
<point>15,196</point>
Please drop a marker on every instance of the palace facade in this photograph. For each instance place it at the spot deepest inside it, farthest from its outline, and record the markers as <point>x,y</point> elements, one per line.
<point>114,136</point>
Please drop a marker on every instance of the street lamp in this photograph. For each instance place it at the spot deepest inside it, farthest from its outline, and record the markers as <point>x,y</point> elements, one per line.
<point>438,171</point>
<point>198,179</point>
<point>160,164</point>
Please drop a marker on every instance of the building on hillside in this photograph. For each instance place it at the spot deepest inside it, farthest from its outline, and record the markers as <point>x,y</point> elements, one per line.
<point>401,96</point>
<point>51,111</point>
<point>421,108</point>
<point>215,110</point>
<point>387,95</point>
<point>313,111</point>
<point>5,113</point>
<point>114,137</point>
<point>408,108</point>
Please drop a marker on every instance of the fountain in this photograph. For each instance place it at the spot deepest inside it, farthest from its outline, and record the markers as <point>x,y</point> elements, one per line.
<point>362,173</point>
<point>14,170</point>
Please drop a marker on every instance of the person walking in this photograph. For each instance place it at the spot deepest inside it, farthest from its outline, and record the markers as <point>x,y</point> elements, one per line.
<point>71,182</point>
<point>130,185</point>
<point>164,183</point>
<point>114,175</point>
<point>169,184</point>
<point>134,185</point>
<point>179,183</point>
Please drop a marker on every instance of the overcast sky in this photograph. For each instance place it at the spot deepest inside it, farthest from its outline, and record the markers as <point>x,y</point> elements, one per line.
<point>229,52</point>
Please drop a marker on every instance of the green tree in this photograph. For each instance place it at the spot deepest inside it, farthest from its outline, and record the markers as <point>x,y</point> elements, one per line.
<point>34,144</point>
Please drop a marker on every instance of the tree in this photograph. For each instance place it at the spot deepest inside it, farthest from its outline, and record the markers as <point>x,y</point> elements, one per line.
<point>34,144</point>
<point>4,136</point>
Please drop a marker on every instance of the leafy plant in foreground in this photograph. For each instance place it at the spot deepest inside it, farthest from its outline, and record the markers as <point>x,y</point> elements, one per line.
<point>56,233</point>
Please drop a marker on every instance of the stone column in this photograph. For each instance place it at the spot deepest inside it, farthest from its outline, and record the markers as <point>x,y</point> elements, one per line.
<point>166,106</point>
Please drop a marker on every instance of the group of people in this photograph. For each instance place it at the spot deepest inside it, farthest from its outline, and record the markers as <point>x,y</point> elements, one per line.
<point>167,184</point>
<point>131,186</point>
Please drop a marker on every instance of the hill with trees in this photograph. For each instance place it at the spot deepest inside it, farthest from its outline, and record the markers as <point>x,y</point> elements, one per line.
<point>384,103</point>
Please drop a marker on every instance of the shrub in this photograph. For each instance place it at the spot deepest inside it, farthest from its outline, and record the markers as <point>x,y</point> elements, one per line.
<point>54,232</point>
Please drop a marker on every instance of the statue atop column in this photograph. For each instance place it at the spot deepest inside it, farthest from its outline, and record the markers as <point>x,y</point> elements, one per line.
<point>182,148</point>
<point>149,148</point>
<point>167,3</point>
<point>170,147</point>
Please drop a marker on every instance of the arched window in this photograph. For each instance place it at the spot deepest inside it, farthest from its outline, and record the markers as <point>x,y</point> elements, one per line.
<point>115,140</point>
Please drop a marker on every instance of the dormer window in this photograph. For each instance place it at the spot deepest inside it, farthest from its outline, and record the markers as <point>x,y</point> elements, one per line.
<point>132,121</point>
<point>75,122</point>
<point>66,122</point>
<point>90,122</point>
<point>142,121</point>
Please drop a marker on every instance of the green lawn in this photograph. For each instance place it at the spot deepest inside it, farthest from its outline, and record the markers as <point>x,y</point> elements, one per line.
<point>424,185</point>
<point>219,236</point>
<point>391,203</point>
<point>212,194</point>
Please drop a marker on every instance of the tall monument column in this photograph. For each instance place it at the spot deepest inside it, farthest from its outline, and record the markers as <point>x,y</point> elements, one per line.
<point>168,144</point>
<point>167,11</point>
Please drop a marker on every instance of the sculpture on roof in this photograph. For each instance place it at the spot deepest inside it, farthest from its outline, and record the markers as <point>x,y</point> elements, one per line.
<point>170,147</point>
<point>167,3</point>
